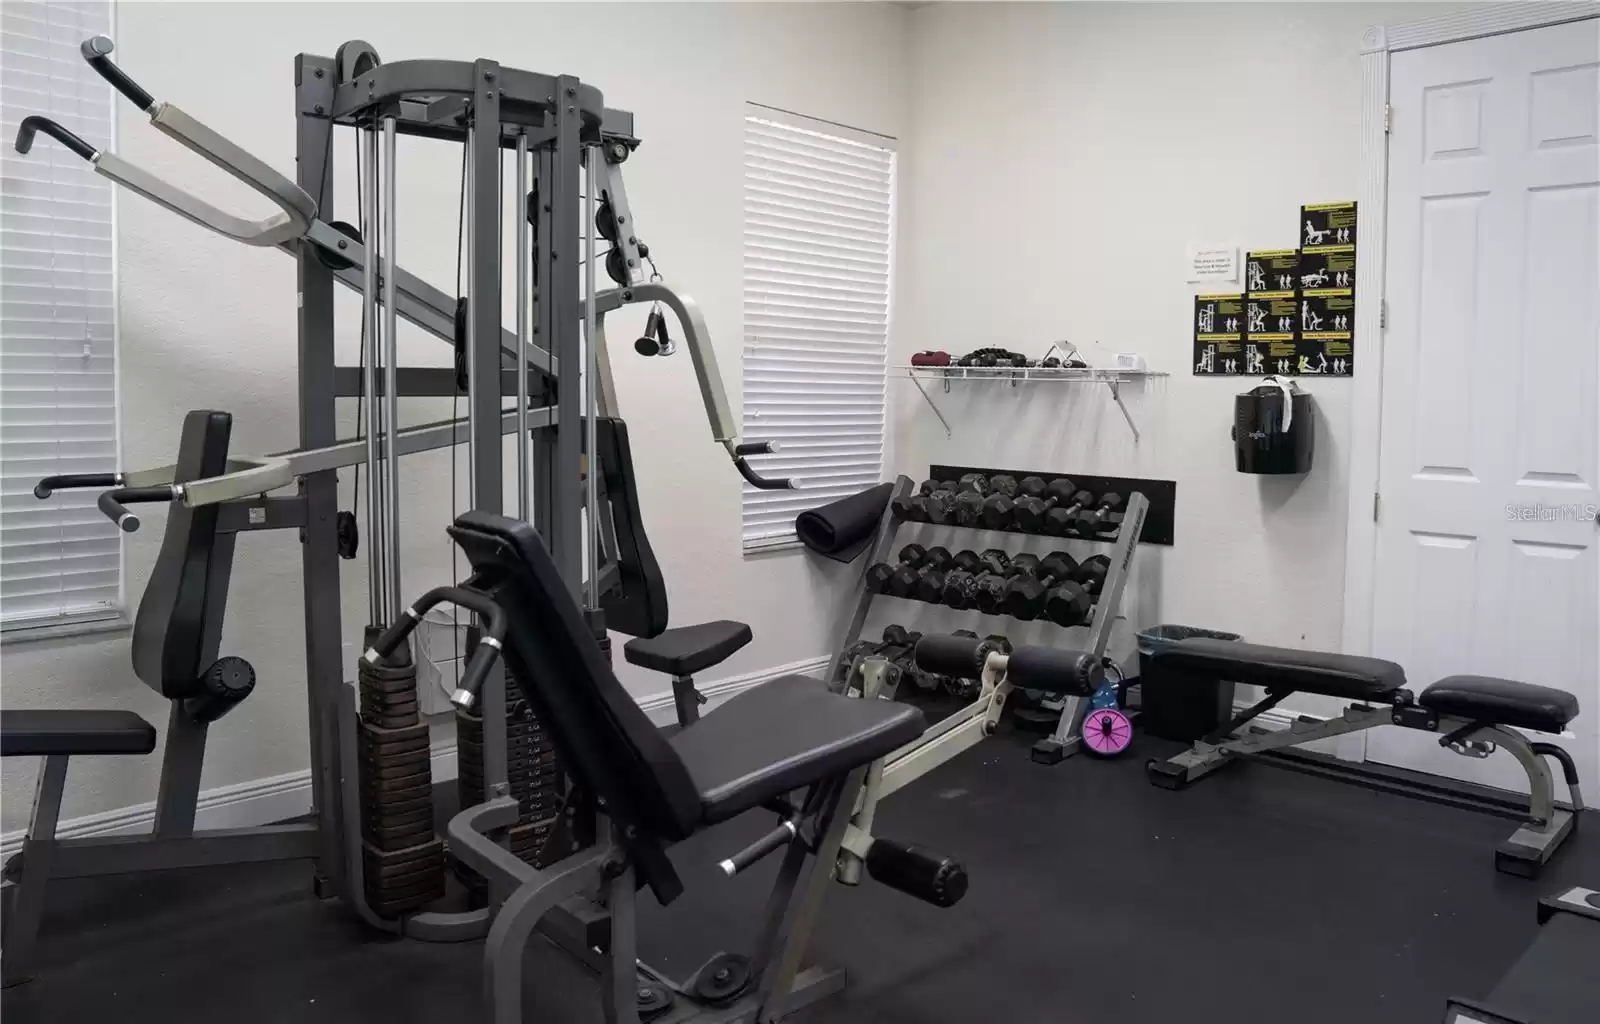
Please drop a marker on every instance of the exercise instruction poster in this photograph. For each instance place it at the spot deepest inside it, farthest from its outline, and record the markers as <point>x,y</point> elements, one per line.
<point>1326,281</point>
<point>1218,328</point>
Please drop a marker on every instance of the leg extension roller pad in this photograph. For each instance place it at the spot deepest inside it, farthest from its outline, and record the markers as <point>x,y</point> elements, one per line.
<point>917,872</point>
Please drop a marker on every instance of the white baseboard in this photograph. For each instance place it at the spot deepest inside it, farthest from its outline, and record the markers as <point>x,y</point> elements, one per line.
<point>261,801</point>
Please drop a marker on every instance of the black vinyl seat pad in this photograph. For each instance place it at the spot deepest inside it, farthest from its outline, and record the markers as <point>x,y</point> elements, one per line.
<point>67,731</point>
<point>1501,702</point>
<point>1284,668</point>
<point>784,735</point>
<point>687,649</point>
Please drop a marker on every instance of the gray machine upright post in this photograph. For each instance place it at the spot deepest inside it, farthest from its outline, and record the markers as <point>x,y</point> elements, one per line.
<point>591,390</point>
<point>483,398</point>
<point>524,333</point>
<point>319,558</point>
<point>565,536</point>
<point>377,554</point>
<point>544,440</point>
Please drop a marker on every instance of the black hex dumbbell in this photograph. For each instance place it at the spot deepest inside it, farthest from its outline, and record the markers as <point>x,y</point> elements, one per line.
<point>993,582</point>
<point>930,581</point>
<point>940,506</point>
<point>878,576</point>
<point>1088,522</point>
<point>1058,521</point>
<point>961,581</point>
<point>969,508</point>
<point>910,507</point>
<point>1092,573</point>
<point>1026,597</point>
<point>998,505</point>
<point>1038,498</point>
<point>904,581</point>
<point>975,483</point>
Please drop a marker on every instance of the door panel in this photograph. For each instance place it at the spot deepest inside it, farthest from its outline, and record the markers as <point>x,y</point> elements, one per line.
<point>1487,556</point>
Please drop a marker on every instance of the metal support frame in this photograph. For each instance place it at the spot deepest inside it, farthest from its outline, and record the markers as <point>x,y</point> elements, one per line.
<point>1067,737</point>
<point>1545,822</point>
<point>602,873</point>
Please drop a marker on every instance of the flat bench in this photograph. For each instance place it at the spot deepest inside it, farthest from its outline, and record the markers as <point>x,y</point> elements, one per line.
<point>55,735</point>
<point>1473,716</point>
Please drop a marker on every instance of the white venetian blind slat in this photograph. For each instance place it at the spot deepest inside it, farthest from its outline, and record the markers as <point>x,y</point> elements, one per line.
<point>60,559</point>
<point>818,239</point>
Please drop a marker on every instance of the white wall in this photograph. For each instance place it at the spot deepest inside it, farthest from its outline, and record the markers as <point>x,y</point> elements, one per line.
<point>209,324</point>
<point>1061,155</point>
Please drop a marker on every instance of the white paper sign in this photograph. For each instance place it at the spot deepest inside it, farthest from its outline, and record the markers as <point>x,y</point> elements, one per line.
<point>1209,263</point>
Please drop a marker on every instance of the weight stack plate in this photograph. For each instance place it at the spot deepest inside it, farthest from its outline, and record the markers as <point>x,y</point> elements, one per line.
<point>403,862</point>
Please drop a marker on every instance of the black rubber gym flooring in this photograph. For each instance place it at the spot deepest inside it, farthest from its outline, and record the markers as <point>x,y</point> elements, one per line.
<point>1260,895</point>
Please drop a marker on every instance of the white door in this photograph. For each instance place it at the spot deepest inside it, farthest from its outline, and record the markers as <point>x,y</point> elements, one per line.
<point>1491,381</point>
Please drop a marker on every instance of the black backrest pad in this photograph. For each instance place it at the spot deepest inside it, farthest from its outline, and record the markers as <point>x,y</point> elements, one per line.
<point>637,606</point>
<point>612,748</point>
<point>179,622</point>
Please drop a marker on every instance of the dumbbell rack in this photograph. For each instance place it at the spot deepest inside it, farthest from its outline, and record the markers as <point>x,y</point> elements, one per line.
<point>1064,740</point>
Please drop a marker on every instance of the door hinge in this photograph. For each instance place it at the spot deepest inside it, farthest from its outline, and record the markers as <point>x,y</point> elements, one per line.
<point>1376,501</point>
<point>1388,118</point>
<point>1383,313</point>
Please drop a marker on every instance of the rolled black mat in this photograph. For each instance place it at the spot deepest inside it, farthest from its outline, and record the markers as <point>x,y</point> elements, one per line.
<point>843,529</point>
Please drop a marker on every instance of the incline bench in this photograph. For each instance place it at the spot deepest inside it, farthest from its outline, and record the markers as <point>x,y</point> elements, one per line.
<point>1472,714</point>
<point>789,746</point>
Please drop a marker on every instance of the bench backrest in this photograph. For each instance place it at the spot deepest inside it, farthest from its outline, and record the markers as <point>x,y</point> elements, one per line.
<point>179,623</point>
<point>601,733</point>
<point>637,605</point>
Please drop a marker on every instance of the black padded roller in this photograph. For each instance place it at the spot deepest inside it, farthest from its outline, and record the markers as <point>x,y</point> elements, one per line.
<point>917,872</point>
<point>1054,670</point>
<point>227,682</point>
<point>959,656</point>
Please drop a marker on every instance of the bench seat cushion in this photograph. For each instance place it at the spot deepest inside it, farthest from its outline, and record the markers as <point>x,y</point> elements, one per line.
<point>784,735</point>
<point>1501,701</point>
<point>687,649</point>
<point>1284,668</point>
<point>69,731</point>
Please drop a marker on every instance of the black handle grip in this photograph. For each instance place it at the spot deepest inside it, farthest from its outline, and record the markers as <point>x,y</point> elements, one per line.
<point>760,482</point>
<point>112,503</point>
<point>34,124</point>
<point>958,656</point>
<point>483,659</point>
<point>1054,670</point>
<point>97,51</point>
<point>773,841</point>
<point>755,448</point>
<point>69,481</point>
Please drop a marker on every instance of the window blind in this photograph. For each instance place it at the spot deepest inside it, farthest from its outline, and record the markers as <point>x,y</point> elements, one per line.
<point>60,559</point>
<point>818,224</point>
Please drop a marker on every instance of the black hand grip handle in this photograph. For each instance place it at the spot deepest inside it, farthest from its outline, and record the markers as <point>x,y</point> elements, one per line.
<point>755,448</point>
<point>112,503</point>
<point>97,51</point>
<point>758,481</point>
<point>69,481</point>
<point>959,656</point>
<point>773,841</point>
<point>34,124</point>
<point>494,632</point>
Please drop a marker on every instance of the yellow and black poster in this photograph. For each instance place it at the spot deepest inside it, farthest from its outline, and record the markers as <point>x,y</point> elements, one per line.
<point>1218,328</point>
<point>1271,270</point>
<point>1326,278</point>
<point>1271,330</point>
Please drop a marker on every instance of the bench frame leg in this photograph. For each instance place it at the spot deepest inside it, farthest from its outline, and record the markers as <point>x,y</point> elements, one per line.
<point>25,901</point>
<point>1209,754</point>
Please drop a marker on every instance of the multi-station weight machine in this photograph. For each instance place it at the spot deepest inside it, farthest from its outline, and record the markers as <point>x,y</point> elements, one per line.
<point>369,750</point>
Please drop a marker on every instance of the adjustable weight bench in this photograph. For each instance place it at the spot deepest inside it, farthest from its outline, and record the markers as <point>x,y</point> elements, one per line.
<point>1473,715</point>
<point>789,746</point>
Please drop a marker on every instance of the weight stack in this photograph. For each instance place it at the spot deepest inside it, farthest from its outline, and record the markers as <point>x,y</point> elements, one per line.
<point>537,780</point>
<point>402,858</point>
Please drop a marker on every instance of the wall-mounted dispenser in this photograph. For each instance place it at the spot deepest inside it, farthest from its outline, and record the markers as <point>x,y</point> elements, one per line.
<point>1273,429</point>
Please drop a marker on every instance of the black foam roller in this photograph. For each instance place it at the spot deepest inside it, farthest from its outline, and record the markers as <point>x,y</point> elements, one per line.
<point>958,656</point>
<point>843,529</point>
<point>1055,670</point>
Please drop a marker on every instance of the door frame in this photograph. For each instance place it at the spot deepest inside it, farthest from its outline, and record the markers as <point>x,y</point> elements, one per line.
<point>1366,431</point>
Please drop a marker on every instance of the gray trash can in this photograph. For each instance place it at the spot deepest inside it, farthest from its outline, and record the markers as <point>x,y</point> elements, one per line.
<point>1177,705</point>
